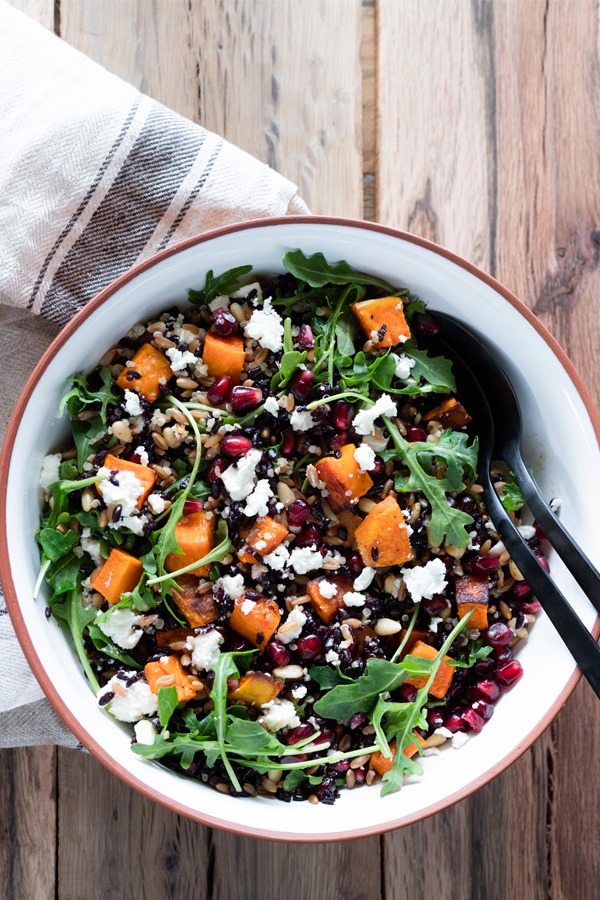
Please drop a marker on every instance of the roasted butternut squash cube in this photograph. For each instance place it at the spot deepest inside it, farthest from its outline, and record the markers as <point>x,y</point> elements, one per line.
<point>262,539</point>
<point>144,474</point>
<point>382,319</point>
<point>195,535</point>
<point>256,620</point>
<point>256,688</point>
<point>346,483</point>
<point>120,574</point>
<point>169,636</point>
<point>443,678</point>
<point>350,521</point>
<point>472,593</point>
<point>382,537</point>
<point>415,636</point>
<point>199,608</point>
<point>153,369</point>
<point>361,632</point>
<point>325,603</point>
<point>168,672</point>
<point>224,355</point>
<point>450,414</point>
<point>383,764</point>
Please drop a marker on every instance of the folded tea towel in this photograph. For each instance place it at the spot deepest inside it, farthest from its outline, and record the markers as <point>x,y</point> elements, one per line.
<point>94,177</point>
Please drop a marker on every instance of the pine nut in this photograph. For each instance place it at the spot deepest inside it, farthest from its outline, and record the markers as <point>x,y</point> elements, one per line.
<point>289,673</point>
<point>387,626</point>
<point>238,311</point>
<point>514,571</point>
<point>87,498</point>
<point>187,384</point>
<point>285,493</point>
<point>122,431</point>
<point>365,504</point>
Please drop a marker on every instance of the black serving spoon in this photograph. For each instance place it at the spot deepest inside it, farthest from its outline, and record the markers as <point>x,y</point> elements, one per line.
<point>484,386</point>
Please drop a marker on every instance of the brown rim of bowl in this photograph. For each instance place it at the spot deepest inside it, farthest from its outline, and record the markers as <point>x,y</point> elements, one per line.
<point>13,604</point>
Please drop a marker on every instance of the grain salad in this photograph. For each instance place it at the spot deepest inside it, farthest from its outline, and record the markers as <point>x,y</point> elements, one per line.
<point>266,538</point>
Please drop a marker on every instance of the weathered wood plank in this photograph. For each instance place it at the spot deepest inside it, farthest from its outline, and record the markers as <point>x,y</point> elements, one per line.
<point>40,10</point>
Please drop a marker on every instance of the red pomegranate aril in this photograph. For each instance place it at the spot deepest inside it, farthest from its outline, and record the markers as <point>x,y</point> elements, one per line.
<point>235,445</point>
<point>483,564</point>
<point>434,718</point>
<point>454,722</point>
<point>473,719</point>
<point>484,709</point>
<point>216,469</point>
<point>278,653</point>
<point>337,441</point>
<point>299,733</point>
<point>220,391</point>
<point>309,647</point>
<point>302,384</point>
<point>435,604</point>
<point>360,775</point>
<point>236,644</point>
<point>532,608</point>
<point>406,693</point>
<point>306,338</point>
<point>521,591</point>
<point>342,767</point>
<point>539,533</point>
<point>509,672</point>
<point>415,434</point>
<point>423,325</point>
<point>542,559</point>
<point>486,689</point>
<point>342,416</point>
<point>502,654</point>
<point>498,635</point>
<point>378,470</point>
<point>192,506</point>
<point>327,736</point>
<point>288,444</point>
<point>309,535</point>
<point>483,667</point>
<point>355,563</point>
<point>298,512</point>
<point>225,322</point>
<point>243,398</point>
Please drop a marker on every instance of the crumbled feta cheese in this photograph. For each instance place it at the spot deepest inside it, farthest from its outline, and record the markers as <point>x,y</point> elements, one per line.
<point>260,545</point>
<point>246,289</point>
<point>301,420</point>
<point>142,454</point>
<point>403,366</point>
<point>205,649</point>
<point>327,589</point>
<point>181,359</point>
<point>435,621</point>
<point>50,470</point>
<point>526,531</point>
<point>423,582</point>
<point>555,504</point>
<point>365,457</point>
<point>233,585</point>
<point>120,627</point>
<point>459,740</point>
<point>278,559</point>
<point>129,704</point>
<point>444,732</point>
<point>392,585</point>
<point>272,406</point>
<point>279,714</point>
<point>145,733</point>
<point>364,579</point>
<point>258,501</point>
<point>299,692</point>
<point>247,606</point>
<point>91,547</point>
<point>305,559</point>
<point>132,404</point>
<point>123,490</point>
<point>351,598</point>
<point>293,625</point>
<point>364,421</point>
<point>266,327</point>
<point>157,504</point>
<point>158,420</point>
<point>239,478</point>
<point>332,657</point>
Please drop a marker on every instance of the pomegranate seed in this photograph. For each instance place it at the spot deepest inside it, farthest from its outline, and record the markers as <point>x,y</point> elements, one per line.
<point>502,654</point>
<point>539,533</point>
<point>355,563</point>
<point>423,325</point>
<point>454,722</point>
<point>434,718</point>
<point>299,733</point>
<point>220,391</point>
<point>306,338</point>
<point>235,445</point>
<point>482,565</point>
<point>342,416</point>
<point>243,398</point>
<point>414,434</point>
<point>298,512</point>
<point>310,534</point>
<point>484,666</point>
<point>406,693</point>
<point>342,767</point>
<point>378,470</point>
<point>338,440</point>
<point>278,653</point>
<point>531,608</point>
<point>542,559</point>
<point>327,736</point>
<point>498,635</point>
<point>236,644</point>
<point>192,506</point>
<point>298,757</point>
<point>486,689</point>
<point>225,322</point>
<point>360,775</point>
<point>521,591</point>
<point>509,672</point>
<point>216,469</point>
<point>302,383</point>
<point>435,605</point>
<point>484,709</point>
<point>134,458</point>
<point>288,445</point>
<point>357,721</point>
<point>309,647</point>
<point>473,719</point>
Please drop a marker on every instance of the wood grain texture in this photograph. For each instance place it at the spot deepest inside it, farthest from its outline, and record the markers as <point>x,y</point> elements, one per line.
<point>41,11</point>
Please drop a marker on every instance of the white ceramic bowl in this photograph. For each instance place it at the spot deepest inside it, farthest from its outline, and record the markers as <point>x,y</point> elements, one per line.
<point>561,448</point>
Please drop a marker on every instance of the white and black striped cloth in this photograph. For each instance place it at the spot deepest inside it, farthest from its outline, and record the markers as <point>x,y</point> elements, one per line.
<point>95,177</point>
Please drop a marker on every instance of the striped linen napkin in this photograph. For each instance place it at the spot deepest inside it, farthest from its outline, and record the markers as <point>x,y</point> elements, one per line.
<point>94,177</point>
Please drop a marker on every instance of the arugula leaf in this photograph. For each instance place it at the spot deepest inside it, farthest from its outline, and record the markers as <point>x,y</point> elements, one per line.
<point>104,644</point>
<point>293,780</point>
<point>511,496</point>
<point>92,389</point>
<point>167,704</point>
<point>327,677</point>
<point>251,739</point>
<point>290,362</point>
<point>476,652</point>
<point>86,434</point>
<point>60,491</point>
<point>317,272</point>
<point>346,330</point>
<point>62,576</point>
<point>413,306</point>
<point>222,285</point>
<point>433,370</point>
<point>224,668</point>
<point>77,618</point>
<point>55,545</point>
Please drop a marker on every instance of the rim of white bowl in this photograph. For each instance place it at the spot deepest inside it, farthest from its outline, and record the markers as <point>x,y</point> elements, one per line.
<point>12,600</point>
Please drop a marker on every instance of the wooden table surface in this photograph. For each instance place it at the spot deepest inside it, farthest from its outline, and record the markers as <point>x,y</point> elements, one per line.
<point>476,124</point>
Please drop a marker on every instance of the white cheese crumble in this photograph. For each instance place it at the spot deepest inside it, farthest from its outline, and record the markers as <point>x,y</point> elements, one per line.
<point>332,657</point>
<point>145,732</point>
<point>157,504</point>
<point>555,504</point>
<point>301,420</point>
<point>327,589</point>
<point>403,365</point>
<point>278,559</point>
<point>246,289</point>
<point>91,547</point>
<point>132,404</point>
<point>137,701</point>
<point>292,626</point>
<point>423,582</point>
<point>120,628</point>
<point>364,422</point>
<point>266,327</point>
<point>351,598</point>
<point>181,359</point>
<point>272,406</point>
<point>459,740</point>
<point>205,649</point>
<point>239,478</point>
<point>143,455</point>
<point>50,470</point>
<point>124,493</point>
<point>364,579</point>
<point>279,714</point>
<point>435,621</point>
<point>247,606</point>
<point>299,692</point>
<point>258,501</point>
<point>526,531</point>
<point>305,559</point>
<point>365,457</point>
<point>233,585</point>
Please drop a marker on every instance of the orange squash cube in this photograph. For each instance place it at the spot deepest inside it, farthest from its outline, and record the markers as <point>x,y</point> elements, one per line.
<point>169,636</point>
<point>195,535</point>
<point>152,366</point>
<point>415,636</point>
<point>350,521</point>
<point>255,620</point>
<point>224,355</point>
<point>120,574</point>
<point>343,478</point>
<point>168,672</point>
<point>144,474</point>
<point>262,539</point>
<point>382,537</point>
<point>472,593</point>
<point>450,413</point>
<point>443,679</point>
<point>383,764</point>
<point>326,607</point>
<point>199,609</point>
<point>374,314</point>
<point>256,688</point>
